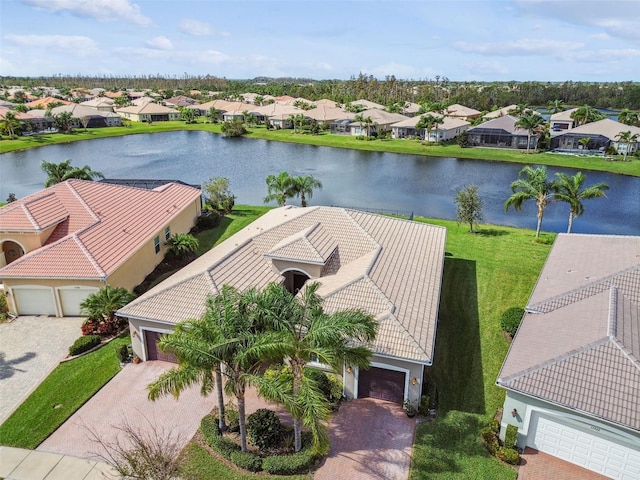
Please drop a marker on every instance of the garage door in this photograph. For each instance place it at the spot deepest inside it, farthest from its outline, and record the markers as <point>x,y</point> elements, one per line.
<point>381,383</point>
<point>34,300</point>
<point>153,352</point>
<point>584,447</point>
<point>72,297</point>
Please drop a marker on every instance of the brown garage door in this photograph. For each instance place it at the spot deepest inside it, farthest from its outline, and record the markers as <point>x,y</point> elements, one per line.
<point>381,383</point>
<point>153,352</point>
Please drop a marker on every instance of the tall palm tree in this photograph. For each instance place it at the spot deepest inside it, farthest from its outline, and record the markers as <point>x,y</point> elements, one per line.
<point>59,172</point>
<point>303,187</point>
<point>279,188</point>
<point>531,123</point>
<point>586,114</point>
<point>569,189</point>
<point>534,186</point>
<point>9,124</point>
<point>627,138</point>
<point>555,106</point>
<point>302,332</point>
<point>628,117</point>
<point>427,122</point>
<point>520,110</point>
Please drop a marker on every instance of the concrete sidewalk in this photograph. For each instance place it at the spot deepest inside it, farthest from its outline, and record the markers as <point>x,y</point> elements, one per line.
<point>20,464</point>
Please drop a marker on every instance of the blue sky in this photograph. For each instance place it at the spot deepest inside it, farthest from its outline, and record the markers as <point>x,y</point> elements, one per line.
<point>554,40</point>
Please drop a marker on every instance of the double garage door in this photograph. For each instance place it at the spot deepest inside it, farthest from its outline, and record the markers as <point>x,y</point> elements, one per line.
<point>584,447</point>
<point>381,383</point>
<point>37,300</point>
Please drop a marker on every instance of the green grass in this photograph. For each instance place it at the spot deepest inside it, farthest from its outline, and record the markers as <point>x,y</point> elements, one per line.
<point>63,392</point>
<point>201,465</point>
<point>484,275</point>
<point>405,146</point>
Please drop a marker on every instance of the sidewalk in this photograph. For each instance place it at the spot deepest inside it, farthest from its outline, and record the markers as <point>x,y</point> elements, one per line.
<point>20,464</point>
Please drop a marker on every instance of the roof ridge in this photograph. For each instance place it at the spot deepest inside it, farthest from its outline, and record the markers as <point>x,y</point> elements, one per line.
<point>612,321</point>
<point>30,217</point>
<point>76,194</point>
<point>408,335</point>
<point>90,257</point>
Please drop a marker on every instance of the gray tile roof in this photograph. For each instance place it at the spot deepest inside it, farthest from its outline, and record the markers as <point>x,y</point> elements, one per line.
<point>390,268</point>
<point>579,343</point>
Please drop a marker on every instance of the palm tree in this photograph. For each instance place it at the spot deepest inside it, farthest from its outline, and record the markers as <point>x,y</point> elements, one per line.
<point>568,189</point>
<point>303,187</point>
<point>555,106</point>
<point>105,302</point>
<point>213,114</point>
<point>9,124</point>
<point>366,121</point>
<point>586,114</point>
<point>279,188</point>
<point>534,186</point>
<point>531,123</point>
<point>427,122</point>
<point>63,121</point>
<point>630,118</point>
<point>303,332</point>
<point>584,141</point>
<point>520,110</point>
<point>59,172</point>
<point>627,139</point>
<point>182,244</point>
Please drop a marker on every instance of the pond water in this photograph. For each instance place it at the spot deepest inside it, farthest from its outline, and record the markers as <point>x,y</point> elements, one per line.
<point>377,181</point>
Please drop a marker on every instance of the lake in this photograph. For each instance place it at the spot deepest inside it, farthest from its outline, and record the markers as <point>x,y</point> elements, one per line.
<point>351,178</point>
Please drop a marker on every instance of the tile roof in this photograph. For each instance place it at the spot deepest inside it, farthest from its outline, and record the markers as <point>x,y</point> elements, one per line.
<point>506,123</point>
<point>607,127</point>
<point>98,230</point>
<point>578,345</point>
<point>390,268</point>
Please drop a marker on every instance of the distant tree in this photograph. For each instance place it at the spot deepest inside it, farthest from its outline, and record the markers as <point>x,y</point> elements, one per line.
<point>569,189</point>
<point>628,117</point>
<point>20,107</point>
<point>217,194</point>
<point>234,128</point>
<point>122,101</point>
<point>469,206</point>
<point>555,106</point>
<point>85,121</point>
<point>258,100</point>
<point>59,172</point>
<point>10,124</point>
<point>182,244</point>
<point>532,184</point>
<point>357,108</point>
<point>584,141</point>
<point>586,114</point>
<point>427,122</point>
<point>11,198</point>
<point>627,139</point>
<point>520,110</point>
<point>189,115</point>
<point>279,188</point>
<point>213,114</point>
<point>63,122</point>
<point>303,187</point>
<point>395,107</point>
<point>531,123</point>
<point>365,121</point>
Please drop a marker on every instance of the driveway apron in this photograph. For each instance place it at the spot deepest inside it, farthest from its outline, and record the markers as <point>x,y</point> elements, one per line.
<point>124,401</point>
<point>370,439</point>
<point>30,348</point>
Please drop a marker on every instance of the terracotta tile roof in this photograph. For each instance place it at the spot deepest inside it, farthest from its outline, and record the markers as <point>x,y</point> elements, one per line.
<point>580,348</point>
<point>35,214</point>
<point>389,267</point>
<point>101,229</point>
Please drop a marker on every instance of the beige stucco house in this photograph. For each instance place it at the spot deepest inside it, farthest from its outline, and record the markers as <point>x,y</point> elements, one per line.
<point>59,245</point>
<point>390,268</point>
<point>572,373</point>
<point>450,128</point>
<point>149,112</point>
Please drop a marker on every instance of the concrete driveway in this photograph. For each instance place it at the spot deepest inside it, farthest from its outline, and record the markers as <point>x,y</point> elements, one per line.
<point>30,348</point>
<point>124,400</point>
<point>370,439</point>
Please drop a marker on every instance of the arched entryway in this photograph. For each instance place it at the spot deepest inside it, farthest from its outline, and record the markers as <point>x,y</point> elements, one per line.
<point>11,251</point>
<point>294,280</point>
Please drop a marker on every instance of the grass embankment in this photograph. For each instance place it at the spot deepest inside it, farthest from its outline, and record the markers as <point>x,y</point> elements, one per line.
<point>63,392</point>
<point>484,275</point>
<point>403,146</point>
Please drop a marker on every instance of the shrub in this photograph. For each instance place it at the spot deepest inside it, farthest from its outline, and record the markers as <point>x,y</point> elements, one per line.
<point>322,381</point>
<point>511,436</point>
<point>102,327</point>
<point>232,417</point>
<point>209,427</point>
<point>511,320</point>
<point>123,353</point>
<point>83,344</point>
<point>247,461</point>
<point>208,220</point>
<point>508,455</point>
<point>423,408</point>
<point>490,439</point>
<point>213,437</point>
<point>289,464</point>
<point>264,429</point>
<point>4,309</point>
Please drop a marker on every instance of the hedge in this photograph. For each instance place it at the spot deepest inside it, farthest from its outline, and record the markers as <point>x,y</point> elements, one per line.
<point>511,436</point>
<point>511,319</point>
<point>289,464</point>
<point>211,434</point>
<point>247,461</point>
<point>83,344</point>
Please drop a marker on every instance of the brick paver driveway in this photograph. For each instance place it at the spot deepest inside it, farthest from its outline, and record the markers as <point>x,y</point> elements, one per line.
<point>540,466</point>
<point>30,348</point>
<point>370,439</point>
<point>124,399</point>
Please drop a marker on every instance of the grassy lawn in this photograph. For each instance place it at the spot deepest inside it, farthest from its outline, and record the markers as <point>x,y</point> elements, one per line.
<point>339,141</point>
<point>63,392</point>
<point>484,275</point>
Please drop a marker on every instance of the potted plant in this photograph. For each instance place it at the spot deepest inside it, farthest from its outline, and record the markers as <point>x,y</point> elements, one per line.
<point>409,408</point>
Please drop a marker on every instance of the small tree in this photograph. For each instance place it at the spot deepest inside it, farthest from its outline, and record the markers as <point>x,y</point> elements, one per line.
<point>234,128</point>
<point>217,194</point>
<point>469,206</point>
<point>105,302</point>
<point>182,244</point>
<point>11,198</point>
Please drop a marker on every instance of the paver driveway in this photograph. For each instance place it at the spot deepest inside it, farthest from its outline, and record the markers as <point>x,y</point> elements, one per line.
<point>30,348</point>
<point>540,466</point>
<point>370,439</point>
<point>124,399</point>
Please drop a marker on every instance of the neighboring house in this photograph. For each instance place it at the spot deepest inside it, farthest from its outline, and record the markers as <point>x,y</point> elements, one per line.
<point>460,111</point>
<point>28,123</point>
<point>367,104</point>
<point>325,102</point>
<point>277,114</point>
<point>381,119</point>
<point>80,114</point>
<point>61,244</point>
<point>411,109</point>
<point>149,112</point>
<point>500,132</point>
<point>601,135</point>
<point>180,101</point>
<point>562,121</point>
<point>390,268</point>
<point>447,130</point>
<point>43,103</point>
<point>572,373</point>
<point>103,104</point>
<point>501,112</point>
<point>328,114</point>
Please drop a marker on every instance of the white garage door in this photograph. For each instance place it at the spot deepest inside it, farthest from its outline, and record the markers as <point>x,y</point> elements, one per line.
<point>584,447</point>
<point>72,297</point>
<point>34,300</point>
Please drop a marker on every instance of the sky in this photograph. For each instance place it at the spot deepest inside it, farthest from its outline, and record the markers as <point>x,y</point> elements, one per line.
<point>463,40</point>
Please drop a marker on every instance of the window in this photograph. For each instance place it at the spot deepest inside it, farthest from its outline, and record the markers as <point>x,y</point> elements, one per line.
<point>167,233</point>
<point>156,244</point>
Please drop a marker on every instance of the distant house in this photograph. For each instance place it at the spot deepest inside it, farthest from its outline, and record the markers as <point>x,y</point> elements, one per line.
<point>411,109</point>
<point>82,115</point>
<point>501,112</point>
<point>149,112</point>
<point>572,374</point>
<point>460,111</point>
<point>180,101</point>
<point>500,132</point>
<point>61,244</point>
<point>562,121</point>
<point>43,103</point>
<point>103,104</point>
<point>601,135</point>
<point>447,130</point>
<point>367,104</point>
<point>381,119</point>
<point>328,114</point>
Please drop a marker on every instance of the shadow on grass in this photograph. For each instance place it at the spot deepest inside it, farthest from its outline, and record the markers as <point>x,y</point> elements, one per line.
<point>491,232</point>
<point>457,367</point>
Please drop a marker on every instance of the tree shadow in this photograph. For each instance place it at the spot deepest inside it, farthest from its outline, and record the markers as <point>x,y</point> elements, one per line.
<point>7,368</point>
<point>457,366</point>
<point>491,232</point>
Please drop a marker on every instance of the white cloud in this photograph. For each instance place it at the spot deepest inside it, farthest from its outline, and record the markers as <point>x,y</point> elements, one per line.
<point>101,10</point>
<point>524,46</point>
<point>604,55</point>
<point>601,36</point>
<point>78,44</point>
<point>198,28</point>
<point>192,57</point>
<point>159,43</point>
<point>491,67</point>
